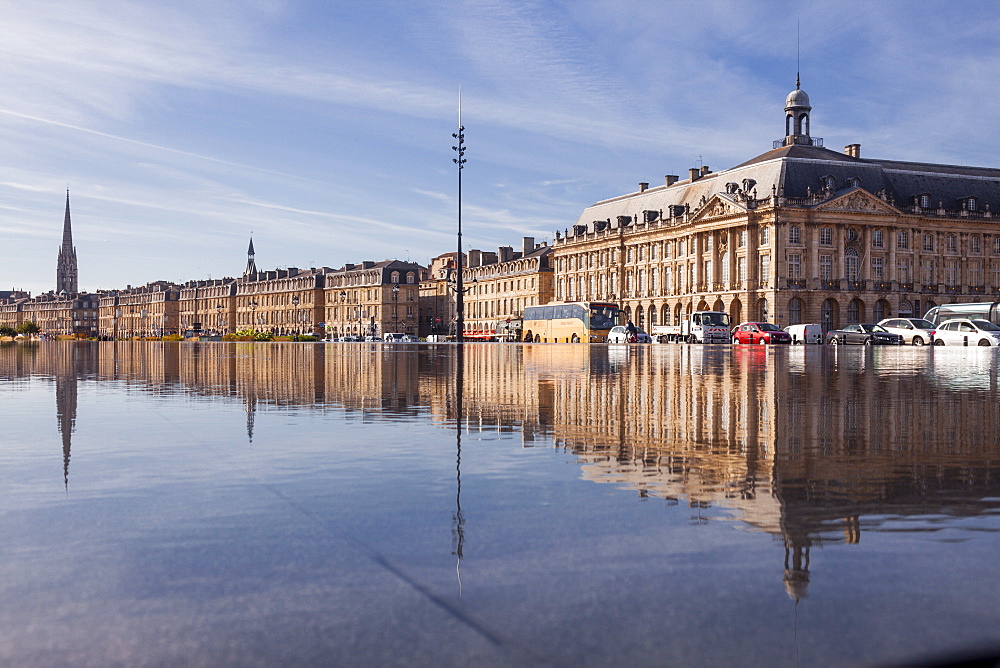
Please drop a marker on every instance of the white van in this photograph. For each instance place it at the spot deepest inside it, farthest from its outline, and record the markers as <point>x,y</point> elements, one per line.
<point>805,333</point>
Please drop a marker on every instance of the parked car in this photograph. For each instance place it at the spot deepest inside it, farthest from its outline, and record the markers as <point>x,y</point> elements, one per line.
<point>809,333</point>
<point>760,332</point>
<point>866,333</point>
<point>620,334</point>
<point>913,330</point>
<point>967,332</point>
<point>350,339</point>
<point>373,339</point>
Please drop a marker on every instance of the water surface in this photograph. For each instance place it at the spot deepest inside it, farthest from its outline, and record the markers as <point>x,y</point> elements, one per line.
<point>254,504</point>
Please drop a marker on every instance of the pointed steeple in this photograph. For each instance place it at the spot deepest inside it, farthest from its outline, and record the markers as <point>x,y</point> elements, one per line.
<point>66,271</point>
<point>251,265</point>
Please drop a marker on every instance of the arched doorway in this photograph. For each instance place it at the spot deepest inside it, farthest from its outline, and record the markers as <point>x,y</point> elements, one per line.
<point>830,315</point>
<point>905,309</point>
<point>665,314</point>
<point>762,310</point>
<point>718,305</point>
<point>652,316</point>
<point>678,310</point>
<point>736,311</point>
<point>855,311</point>
<point>880,311</point>
<point>640,316</point>
<point>794,311</point>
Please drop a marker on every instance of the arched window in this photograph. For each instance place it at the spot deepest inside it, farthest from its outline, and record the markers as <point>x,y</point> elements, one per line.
<point>794,311</point>
<point>905,309</point>
<point>394,277</point>
<point>852,265</point>
<point>411,277</point>
<point>652,315</point>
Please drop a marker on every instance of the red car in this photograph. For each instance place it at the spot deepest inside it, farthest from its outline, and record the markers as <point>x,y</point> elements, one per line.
<point>760,332</point>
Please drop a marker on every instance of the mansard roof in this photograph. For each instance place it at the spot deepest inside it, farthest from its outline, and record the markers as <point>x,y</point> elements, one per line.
<point>801,171</point>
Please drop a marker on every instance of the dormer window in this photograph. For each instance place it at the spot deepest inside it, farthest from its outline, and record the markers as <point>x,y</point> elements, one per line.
<point>828,182</point>
<point>970,203</point>
<point>854,182</point>
<point>925,201</point>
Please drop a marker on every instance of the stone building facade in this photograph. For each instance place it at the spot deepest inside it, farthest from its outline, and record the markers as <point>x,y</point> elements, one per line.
<point>373,298</point>
<point>437,295</point>
<point>284,302</point>
<point>148,311</point>
<point>206,307</point>
<point>500,285</point>
<point>61,314</point>
<point>797,234</point>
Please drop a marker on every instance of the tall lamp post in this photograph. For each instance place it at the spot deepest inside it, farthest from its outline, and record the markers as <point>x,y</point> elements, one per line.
<point>343,302</point>
<point>218,318</point>
<point>253,315</point>
<point>460,161</point>
<point>295,310</point>
<point>395,303</point>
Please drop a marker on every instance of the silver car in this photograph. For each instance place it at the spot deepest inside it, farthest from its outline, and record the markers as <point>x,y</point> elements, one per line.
<point>916,331</point>
<point>966,332</point>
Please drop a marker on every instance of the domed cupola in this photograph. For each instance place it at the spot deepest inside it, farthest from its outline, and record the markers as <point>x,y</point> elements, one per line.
<point>797,116</point>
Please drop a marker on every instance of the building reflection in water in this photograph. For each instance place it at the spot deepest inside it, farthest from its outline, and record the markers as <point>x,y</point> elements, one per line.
<point>812,445</point>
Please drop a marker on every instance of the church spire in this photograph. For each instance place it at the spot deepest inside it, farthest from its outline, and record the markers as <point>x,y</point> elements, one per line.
<point>251,265</point>
<point>66,271</point>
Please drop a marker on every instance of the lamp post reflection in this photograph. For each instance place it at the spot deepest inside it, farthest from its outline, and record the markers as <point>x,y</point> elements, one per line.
<point>458,521</point>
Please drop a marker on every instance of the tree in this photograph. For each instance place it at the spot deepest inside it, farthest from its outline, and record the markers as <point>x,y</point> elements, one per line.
<point>8,331</point>
<point>28,327</point>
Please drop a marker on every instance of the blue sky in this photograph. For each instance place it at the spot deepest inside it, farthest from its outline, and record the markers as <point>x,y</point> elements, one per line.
<point>324,128</point>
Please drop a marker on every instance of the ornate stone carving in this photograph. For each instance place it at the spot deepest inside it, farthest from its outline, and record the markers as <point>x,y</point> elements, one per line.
<point>858,200</point>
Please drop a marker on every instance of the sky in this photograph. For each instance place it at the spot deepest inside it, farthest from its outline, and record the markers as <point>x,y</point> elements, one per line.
<point>323,128</point>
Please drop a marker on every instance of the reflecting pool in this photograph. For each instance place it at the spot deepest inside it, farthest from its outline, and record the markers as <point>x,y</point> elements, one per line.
<point>289,503</point>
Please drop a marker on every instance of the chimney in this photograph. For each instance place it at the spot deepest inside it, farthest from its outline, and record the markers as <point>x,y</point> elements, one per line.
<point>475,258</point>
<point>853,150</point>
<point>643,187</point>
<point>694,173</point>
<point>527,246</point>
<point>505,254</point>
<point>705,171</point>
<point>671,179</point>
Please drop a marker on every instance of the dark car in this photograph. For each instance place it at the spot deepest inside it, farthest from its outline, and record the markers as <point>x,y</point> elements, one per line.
<point>760,332</point>
<point>867,333</point>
